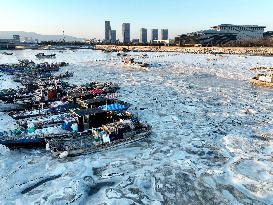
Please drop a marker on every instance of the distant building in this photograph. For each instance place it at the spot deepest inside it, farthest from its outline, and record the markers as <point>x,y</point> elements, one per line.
<point>213,37</point>
<point>164,42</point>
<point>143,35</point>
<point>268,35</point>
<point>7,44</point>
<point>187,39</point>
<point>164,34</point>
<point>113,36</point>
<point>28,40</point>
<point>16,38</point>
<point>154,35</point>
<point>126,33</point>
<point>10,43</point>
<point>107,31</point>
<point>242,32</point>
<point>229,33</point>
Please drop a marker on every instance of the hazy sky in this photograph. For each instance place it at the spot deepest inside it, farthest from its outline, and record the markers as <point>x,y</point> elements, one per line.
<point>85,18</point>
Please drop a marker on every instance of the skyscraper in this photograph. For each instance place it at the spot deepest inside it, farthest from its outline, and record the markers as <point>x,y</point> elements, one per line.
<point>113,36</point>
<point>143,35</point>
<point>107,31</point>
<point>154,35</point>
<point>126,32</point>
<point>164,34</point>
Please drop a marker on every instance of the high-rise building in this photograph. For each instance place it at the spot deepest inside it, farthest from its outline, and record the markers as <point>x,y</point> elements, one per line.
<point>107,31</point>
<point>143,35</point>
<point>113,36</point>
<point>164,34</point>
<point>154,35</point>
<point>126,32</point>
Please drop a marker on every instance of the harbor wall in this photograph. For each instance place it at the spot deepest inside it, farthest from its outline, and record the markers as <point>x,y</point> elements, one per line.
<point>265,51</point>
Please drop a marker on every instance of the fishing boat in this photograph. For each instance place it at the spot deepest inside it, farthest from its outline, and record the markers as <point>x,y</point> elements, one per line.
<point>65,75</point>
<point>264,76</point>
<point>133,63</point>
<point>18,139</point>
<point>25,142</point>
<point>98,139</point>
<point>47,110</point>
<point>7,54</point>
<point>122,54</point>
<point>42,55</point>
<point>26,67</point>
<point>33,132</point>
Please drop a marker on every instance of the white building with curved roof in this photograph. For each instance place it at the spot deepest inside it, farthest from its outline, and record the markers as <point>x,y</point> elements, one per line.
<point>243,32</point>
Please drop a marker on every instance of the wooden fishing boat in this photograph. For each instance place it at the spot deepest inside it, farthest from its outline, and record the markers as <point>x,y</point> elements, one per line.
<point>98,139</point>
<point>42,55</point>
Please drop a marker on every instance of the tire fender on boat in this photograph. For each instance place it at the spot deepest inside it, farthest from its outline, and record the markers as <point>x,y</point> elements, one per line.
<point>63,154</point>
<point>47,147</point>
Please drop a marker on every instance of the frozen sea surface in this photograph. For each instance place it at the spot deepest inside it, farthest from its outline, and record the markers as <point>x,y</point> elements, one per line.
<point>211,142</point>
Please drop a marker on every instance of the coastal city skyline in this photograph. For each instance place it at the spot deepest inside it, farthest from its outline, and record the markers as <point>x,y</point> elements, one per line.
<point>155,34</point>
<point>185,17</point>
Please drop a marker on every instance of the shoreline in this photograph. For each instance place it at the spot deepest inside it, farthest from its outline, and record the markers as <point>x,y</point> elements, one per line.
<point>257,51</point>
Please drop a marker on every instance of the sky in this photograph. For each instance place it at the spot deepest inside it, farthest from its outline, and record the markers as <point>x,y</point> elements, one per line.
<point>85,18</point>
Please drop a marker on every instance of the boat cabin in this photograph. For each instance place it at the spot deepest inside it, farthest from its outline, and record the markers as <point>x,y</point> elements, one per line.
<point>96,117</point>
<point>91,118</point>
<point>96,102</point>
<point>76,96</point>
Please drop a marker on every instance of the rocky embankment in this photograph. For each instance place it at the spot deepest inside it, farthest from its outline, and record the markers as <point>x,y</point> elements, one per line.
<point>264,51</point>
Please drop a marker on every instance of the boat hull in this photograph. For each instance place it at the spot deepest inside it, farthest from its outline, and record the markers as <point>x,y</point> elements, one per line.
<point>24,143</point>
<point>112,145</point>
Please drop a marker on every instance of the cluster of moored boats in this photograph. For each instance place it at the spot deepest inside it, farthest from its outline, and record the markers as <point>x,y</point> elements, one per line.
<point>66,119</point>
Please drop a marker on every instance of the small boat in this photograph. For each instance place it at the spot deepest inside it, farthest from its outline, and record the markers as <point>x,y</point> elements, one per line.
<point>7,54</point>
<point>65,75</point>
<point>122,54</point>
<point>264,77</point>
<point>23,140</point>
<point>42,55</point>
<point>134,63</point>
<point>145,55</point>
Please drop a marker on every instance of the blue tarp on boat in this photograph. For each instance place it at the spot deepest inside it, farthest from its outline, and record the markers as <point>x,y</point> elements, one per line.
<point>114,107</point>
